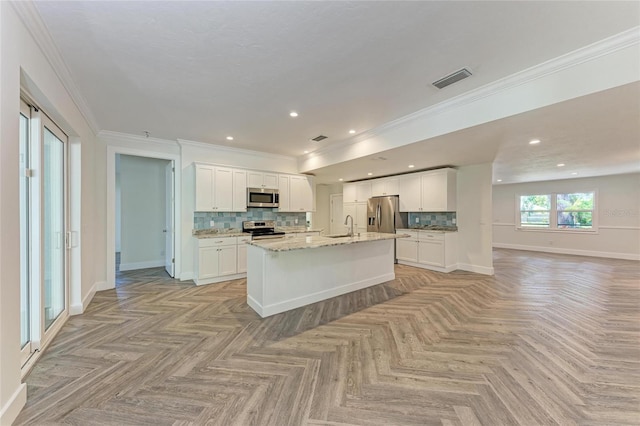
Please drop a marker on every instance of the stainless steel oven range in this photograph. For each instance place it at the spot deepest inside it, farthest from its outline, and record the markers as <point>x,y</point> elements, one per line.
<point>261,230</point>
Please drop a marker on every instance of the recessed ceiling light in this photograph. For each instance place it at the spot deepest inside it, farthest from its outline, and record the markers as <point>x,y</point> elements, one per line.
<point>306,152</point>
<point>534,141</point>
<point>352,131</point>
<point>293,114</point>
<point>560,164</point>
<point>499,180</point>
<point>229,138</point>
<point>574,173</point>
<point>340,179</point>
<point>369,174</point>
<point>411,166</point>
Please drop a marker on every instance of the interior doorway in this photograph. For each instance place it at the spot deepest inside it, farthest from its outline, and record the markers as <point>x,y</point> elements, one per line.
<point>144,213</point>
<point>335,214</point>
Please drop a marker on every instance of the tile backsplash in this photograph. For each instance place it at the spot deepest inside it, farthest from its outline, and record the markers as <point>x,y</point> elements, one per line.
<point>226,220</point>
<point>438,219</point>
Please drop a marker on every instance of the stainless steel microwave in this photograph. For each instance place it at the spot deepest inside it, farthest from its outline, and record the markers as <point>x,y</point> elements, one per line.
<point>262,197</point>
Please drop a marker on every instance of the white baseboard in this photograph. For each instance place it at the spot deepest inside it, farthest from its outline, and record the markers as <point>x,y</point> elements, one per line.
<point>12,408</point>
<point>141,265</point>
<point>79,308</point>
<point>220,279</point>
<point>484,270</point>
<point>576,252</point>
<point>446,269</point>
<point>102,285</point>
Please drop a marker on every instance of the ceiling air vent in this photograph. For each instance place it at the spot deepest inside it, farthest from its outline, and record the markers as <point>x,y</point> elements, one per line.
<point>319,138</point>
<point>452,78</point>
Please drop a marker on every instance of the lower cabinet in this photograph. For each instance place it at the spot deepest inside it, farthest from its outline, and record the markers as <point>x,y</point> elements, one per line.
<point>218,259</point>
<point>431,250</point>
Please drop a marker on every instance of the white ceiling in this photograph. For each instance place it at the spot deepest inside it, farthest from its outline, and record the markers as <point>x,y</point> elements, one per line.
<point>204,70</point>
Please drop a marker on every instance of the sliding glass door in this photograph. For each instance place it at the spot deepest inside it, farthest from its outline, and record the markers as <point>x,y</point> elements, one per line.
<point>25,292</point>
<point>43,229</point>
<point>53,231</point>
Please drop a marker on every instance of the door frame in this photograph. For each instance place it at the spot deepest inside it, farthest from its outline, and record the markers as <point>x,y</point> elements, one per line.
<point>112,150</point>
<point>169,220</point>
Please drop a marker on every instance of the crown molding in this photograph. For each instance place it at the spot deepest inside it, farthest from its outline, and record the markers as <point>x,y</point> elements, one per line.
<point>109,136</point>
<point>587,53</point>
<point>185,142</point>
<point>32,20</point>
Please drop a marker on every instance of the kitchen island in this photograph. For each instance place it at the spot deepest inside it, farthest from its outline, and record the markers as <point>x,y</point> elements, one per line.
<point>284,274</point>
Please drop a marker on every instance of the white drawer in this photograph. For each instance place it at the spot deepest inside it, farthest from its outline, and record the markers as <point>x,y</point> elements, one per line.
<point>244,239</point>
<point>436,236</point>
<point>214,242</point>
<point>413,235</point>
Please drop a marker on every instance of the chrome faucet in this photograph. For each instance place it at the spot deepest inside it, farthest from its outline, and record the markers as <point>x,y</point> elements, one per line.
<point>346,219</point>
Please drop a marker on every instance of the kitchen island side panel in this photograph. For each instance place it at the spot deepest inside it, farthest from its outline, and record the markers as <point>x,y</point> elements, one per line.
<point>281,281</point>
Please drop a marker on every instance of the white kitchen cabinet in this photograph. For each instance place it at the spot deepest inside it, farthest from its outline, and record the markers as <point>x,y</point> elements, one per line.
<point>262,180</point>
<point>283,193</point>
<point>385,186</point>
<point>239,190</point>
<point>214,188</point>
<point>431,251</point>
<point>216,260</point>
<point>437,251</point>
<point>432,191</point>
<point>357,192</point>
<point>349,193</point>
<point>363,191</point>
<point>410,192</point>
<point>439,190</point>
<point>301,193</point>
<point>242,254</point>
<point>407,248</point>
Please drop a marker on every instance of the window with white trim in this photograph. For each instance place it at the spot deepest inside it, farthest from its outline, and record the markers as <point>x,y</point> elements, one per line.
<point>558,211</point>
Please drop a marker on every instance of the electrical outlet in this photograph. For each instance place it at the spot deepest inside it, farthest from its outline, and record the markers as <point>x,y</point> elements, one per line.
<point>212,223</point>
<point>417,220</point>
<point>295,220</point>
<point>453,221</point>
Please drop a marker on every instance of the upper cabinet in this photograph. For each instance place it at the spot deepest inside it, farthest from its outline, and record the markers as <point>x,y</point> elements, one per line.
<point>357,192</point>
<point>224,189</point>
<point>301,194</point>
<point>214,188</point>
<point>385,186</point>
<point>262,180</point>
<point>283,193</point>
<point>239,190</point>
<point>432,191</point>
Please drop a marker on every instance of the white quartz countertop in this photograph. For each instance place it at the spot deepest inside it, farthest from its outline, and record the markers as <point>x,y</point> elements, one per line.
<point>217,233</point>
<point>287,244</point>
<point>297,229</point>
<point>432,229</point>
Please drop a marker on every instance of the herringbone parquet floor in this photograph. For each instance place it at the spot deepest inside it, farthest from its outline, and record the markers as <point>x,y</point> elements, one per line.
<point>550,339</point>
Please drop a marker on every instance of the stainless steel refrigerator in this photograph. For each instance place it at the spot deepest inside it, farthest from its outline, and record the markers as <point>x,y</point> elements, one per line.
<point>383,215</point>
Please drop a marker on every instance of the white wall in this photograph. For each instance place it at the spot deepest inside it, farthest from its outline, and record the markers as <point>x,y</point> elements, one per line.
<point>618,217</point>
<point>143,212</point>
<point>22,62</point>
<point>473,215</point>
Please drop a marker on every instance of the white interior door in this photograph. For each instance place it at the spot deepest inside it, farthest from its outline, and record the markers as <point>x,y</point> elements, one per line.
<point>336,219</point>
<point>169,229</point>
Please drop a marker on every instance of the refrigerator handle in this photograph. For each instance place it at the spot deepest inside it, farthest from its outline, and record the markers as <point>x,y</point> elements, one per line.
<point>378,213</point>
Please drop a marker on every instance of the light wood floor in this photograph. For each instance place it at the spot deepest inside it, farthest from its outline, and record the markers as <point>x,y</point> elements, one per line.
<point>551,339</point>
